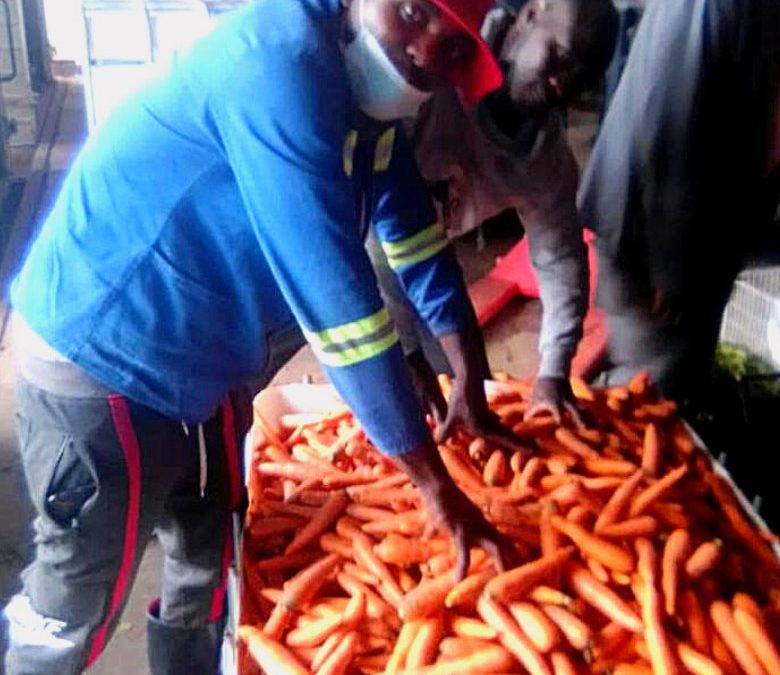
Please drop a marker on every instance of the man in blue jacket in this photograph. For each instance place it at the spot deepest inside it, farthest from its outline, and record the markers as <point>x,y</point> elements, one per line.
<point>210,217</point>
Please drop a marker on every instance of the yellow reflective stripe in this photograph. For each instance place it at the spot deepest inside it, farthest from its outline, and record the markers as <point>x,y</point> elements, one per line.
<point>383,154</point>
<point>355,341</point>
<point>424,244</point>
<point>419,256</point>
<point>348,152</point>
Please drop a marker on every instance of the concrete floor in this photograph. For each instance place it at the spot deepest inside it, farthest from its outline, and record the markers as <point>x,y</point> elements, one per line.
<point>511,341</point>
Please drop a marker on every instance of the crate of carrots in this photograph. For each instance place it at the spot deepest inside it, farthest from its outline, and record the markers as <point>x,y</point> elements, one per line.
<point>636,554</point>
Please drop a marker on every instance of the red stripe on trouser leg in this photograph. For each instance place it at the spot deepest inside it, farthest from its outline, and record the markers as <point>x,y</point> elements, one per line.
<point>218,599</point>
<point>129,443</point>
<point>231,454</point>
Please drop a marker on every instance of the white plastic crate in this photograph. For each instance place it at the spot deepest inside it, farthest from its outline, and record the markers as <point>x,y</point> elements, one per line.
<point>750,314</point>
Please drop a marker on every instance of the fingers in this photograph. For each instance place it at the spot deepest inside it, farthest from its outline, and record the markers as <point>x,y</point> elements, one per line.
<point>437,406</point>
<point>445,428</point>
<point>494,551</point>
<point>574,413</point>
<point>462,565</point>
<point>544,407</point>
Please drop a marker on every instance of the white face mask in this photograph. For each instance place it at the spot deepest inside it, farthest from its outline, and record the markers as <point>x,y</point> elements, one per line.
<point>377,85</point>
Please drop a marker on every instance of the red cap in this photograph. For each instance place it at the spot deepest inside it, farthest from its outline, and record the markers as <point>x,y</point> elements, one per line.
<point>483,74</point>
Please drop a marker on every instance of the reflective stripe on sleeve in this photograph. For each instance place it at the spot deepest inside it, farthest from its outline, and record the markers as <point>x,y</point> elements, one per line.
<point>421,246</point>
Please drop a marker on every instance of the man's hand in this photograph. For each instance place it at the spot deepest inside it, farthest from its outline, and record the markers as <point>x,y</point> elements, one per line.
<point>451,509</point>
<point>426,384</point>
<point>553,395</point>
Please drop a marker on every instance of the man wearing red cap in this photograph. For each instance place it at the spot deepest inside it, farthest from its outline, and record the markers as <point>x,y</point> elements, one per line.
<point>212,221</point>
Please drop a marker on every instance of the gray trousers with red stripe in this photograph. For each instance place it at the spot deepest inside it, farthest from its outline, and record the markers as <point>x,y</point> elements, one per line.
<point>104,474</point>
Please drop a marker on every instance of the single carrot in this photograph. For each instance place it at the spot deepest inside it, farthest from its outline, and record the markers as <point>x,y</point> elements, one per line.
<point>723,620</point>
<point>602,466</point>
<point>641,526</point>
<point>495,472</point>
<point>263,528</point>
<point>546,595</point>
<point>313,633</point>
<point>363,512</point>
<point>402,645</point>
<point>510,635</point>
<point>514,583</point>
<point>704,559</point>
<point>292,470</point>
<point>639,385</point>
<point>722,655</point>
<point>569,440</point>
<point>398,550</point>
<point>756,635</point>
<point>602,483</point>
<point>537,626</point>
<point>361,573</point>
<point>562,664</point>
<point>654,492</point>
<point>456,647</point>
<point>326,649</point>
<point>696,662</point>
<point>598,570</point>
<point>659,645</point>
<point>694,618</point>
<point>618,502</point>
<point>320,522</point>
<point>602,598</point>
<point>466,592</point>
<point>287,562</point>
<point>365,556</point>
<point>676,551</point>
<point>531,473</point>
<point>355,611</point>
<point>376,606</point>
<point>340,658</point>
<point>489,659</point>
<point>748,603</point>
<point>438,564</point>
<point>651,450</point>
<point>550,538</point>
<point>467,627</point>
<point>460,468</point>
<point>634,668</point>
<point>333,543</point>
<point>575,630</point>
<point>422,651</point>
<point>609,554</point>
<point>581,389</point>
<point>579,515</point>
<point>272,657</point>
<point>409,523</point>
<point>426,597</point>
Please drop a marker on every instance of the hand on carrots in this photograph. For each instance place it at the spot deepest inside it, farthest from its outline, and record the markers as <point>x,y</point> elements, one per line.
<point>554,395</point>
<point>449,508</point>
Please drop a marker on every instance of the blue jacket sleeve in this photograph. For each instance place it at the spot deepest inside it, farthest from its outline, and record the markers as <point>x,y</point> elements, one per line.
<point>282,120</point>
<point>414,242</point>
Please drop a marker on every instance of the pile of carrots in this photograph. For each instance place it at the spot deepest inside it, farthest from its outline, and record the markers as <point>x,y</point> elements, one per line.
<point>634,555</point>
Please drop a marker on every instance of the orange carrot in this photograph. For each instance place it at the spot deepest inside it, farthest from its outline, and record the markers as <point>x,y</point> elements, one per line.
<point>703,559</point>
<point>495,472</point>
<point>602,466</point>
<point>695,620</point>
<point>602,598</point>
<point>654,492</point>
<point>314,633</point>
<point>579,515</point>
<point>271,656</point>
<point>614,508</point>
<point>569,440</point>
<point>562,664</point>
<point>292,470</point>
<point>609,554</point>
<point>514,583</point>
<point>641,526</point>
<point>659,645</point>
<point>263,528</point>
<point>376,606</point>
<point>457,647</point>
<point>408,523</point>
<point>639,385</point>
<point>636,668</point>
<point>747,603</point>
<point>287,562</point>
<point>512,637</point>
<point>426,597</point>
<point>363,512</point>
<point>460,468</point>
<point>355,610</point>
<point>696,662</point>
<point>397,550</point>
<point>365,556</point>
<point>575,630</point>
<point>651,450</point>
<point>723,620</point>
<point>537,626</point>
<point>402,645</point>
<point>426,643</point>
<point>333,543</point>
<point>324,518</point>
<point>489,659</point>
<point>756,635</point>
<point>466,627</point>
<point>581,389</point>
<point>326,649</point>
<point>467,591</point>
<point>676,551</point>
<point>598,570</point>
<point>531,473</point>
<point>551,539</point>
<point>546,595</point>
<point>340,658</point>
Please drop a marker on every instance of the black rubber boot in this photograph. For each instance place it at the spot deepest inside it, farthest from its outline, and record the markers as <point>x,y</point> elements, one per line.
<point>174,650</point>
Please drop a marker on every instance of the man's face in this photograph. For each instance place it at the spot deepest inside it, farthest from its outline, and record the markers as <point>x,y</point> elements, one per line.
<point>537,53</point>
<point>422,42</point>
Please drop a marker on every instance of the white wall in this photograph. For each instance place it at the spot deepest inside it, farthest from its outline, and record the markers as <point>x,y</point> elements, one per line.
<point>65,29</point>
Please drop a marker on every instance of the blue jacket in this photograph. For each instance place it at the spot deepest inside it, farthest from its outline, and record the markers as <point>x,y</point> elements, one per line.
<point>229,199</point>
